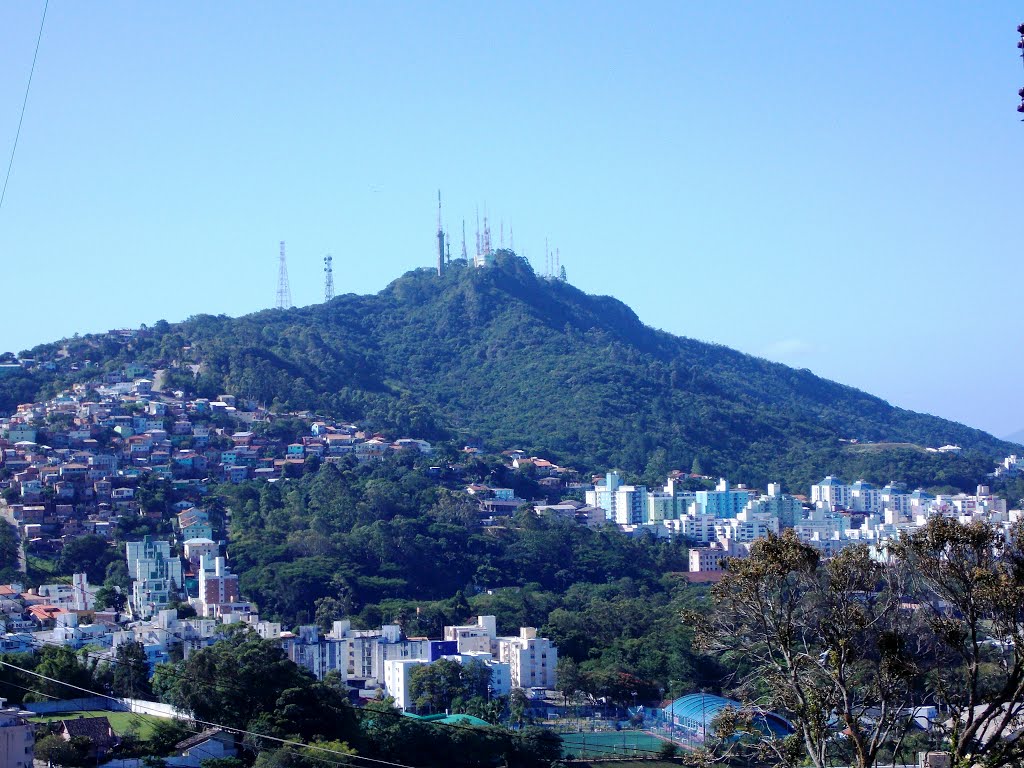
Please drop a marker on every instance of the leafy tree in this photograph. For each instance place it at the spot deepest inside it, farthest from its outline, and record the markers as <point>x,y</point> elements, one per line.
<point>537,747</point>
<point>517,706</point>
<point>110,597</point>
<point>434,686</point>
<point>827,643</point>
<point>117,575</point>
<point>131,671</point>
<point>313,710</point>
<point>274,758</point>
<point>971,584</point>
<point>460,608</point>
<point>568,679</point>
<point>61,663</point>
<point>476,679</point>
<point>8,546</point>
<point>165,734</point>
<point>89,554</point>
<point>232,681</point>
<point>54,750</point>
<point>327,611</point>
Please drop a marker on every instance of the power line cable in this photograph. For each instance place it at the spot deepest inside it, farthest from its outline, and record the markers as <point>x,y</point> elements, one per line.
<point>228,729</point>
<point>227,685</point>
<point>136,718</point>
<point>24,104</point>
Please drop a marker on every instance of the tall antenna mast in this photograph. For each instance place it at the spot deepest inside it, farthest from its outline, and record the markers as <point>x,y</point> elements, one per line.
<point>328,278</point>
<point>511,238</point>
<point>487,234</point>
<point>1020,31</point>
<point>464,256</point>
<point>440,238</point>
<point>284,293</point>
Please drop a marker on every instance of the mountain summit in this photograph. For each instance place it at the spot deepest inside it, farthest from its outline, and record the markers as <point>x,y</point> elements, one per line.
<point>504,356</point>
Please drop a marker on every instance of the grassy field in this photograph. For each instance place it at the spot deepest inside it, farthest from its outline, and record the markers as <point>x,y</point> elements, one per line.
<point>880,447</point>
<point>41,565</point>
<point>119,721</point>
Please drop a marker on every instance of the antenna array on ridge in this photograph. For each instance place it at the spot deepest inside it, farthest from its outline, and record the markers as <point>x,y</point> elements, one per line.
<point>328,278</point>
<point>284,292</point>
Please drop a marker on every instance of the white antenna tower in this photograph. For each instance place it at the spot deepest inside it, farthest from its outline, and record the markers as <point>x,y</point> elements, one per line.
<point>284,293</point>
<point>328,278</point>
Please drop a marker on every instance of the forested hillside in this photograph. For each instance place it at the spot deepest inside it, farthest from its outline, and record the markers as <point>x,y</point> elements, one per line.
<point>384,542</point>
<point>503,356</point>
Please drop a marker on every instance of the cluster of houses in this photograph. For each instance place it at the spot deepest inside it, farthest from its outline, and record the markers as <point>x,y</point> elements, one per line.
<point>27,611</point>
<point>372,663</point>
<point>73,464</point>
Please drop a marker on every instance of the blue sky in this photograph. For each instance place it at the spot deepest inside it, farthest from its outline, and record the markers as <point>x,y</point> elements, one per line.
<point>834,186</point>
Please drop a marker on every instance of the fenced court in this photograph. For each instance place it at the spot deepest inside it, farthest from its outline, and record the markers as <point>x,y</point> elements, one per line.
<point>597,744</point>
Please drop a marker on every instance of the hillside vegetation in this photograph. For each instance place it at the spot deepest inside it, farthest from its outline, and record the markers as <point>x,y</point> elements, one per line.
<point>514,360</point>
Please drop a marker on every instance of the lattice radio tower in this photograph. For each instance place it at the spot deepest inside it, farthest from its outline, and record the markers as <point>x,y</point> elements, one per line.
<point>440,238</point>
<point>328,278</point>
<point>1020,31</point>
<point>284,293</point>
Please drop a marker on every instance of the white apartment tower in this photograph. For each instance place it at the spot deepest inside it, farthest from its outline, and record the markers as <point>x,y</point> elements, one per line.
<point>17,742</point>
<point>156,575</point>
<point>531,659</point>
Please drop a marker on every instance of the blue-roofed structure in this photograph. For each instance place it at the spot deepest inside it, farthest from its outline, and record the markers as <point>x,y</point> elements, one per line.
<point>694,713</point>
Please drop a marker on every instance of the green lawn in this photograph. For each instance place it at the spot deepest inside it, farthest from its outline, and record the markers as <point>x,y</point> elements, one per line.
<point>41,565</point>
<point>120,721</point>
<point>621,763</point>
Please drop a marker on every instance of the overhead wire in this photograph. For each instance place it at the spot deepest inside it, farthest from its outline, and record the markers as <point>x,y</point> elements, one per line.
<point>228,729</point>
<point>361,712</point>
<point>24,105</point>
<point>223,685</point>
<point>135,717</point>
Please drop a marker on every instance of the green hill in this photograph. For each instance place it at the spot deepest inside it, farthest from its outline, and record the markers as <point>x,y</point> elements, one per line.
<point>504,356</point>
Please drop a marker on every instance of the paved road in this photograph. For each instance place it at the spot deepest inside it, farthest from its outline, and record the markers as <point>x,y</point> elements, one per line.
<point>5,513</point>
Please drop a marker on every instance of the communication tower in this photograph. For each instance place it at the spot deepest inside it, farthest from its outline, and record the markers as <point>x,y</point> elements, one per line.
<point>487,237</point>
<point>328,278</point>
<point>440,238</point>
<point>1020,44</point>
<point>284,292</point>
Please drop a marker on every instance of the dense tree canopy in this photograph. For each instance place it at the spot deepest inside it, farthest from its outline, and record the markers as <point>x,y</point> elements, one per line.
<point>969,580</point>
<point>853,643</point>
<point>517,360</point>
